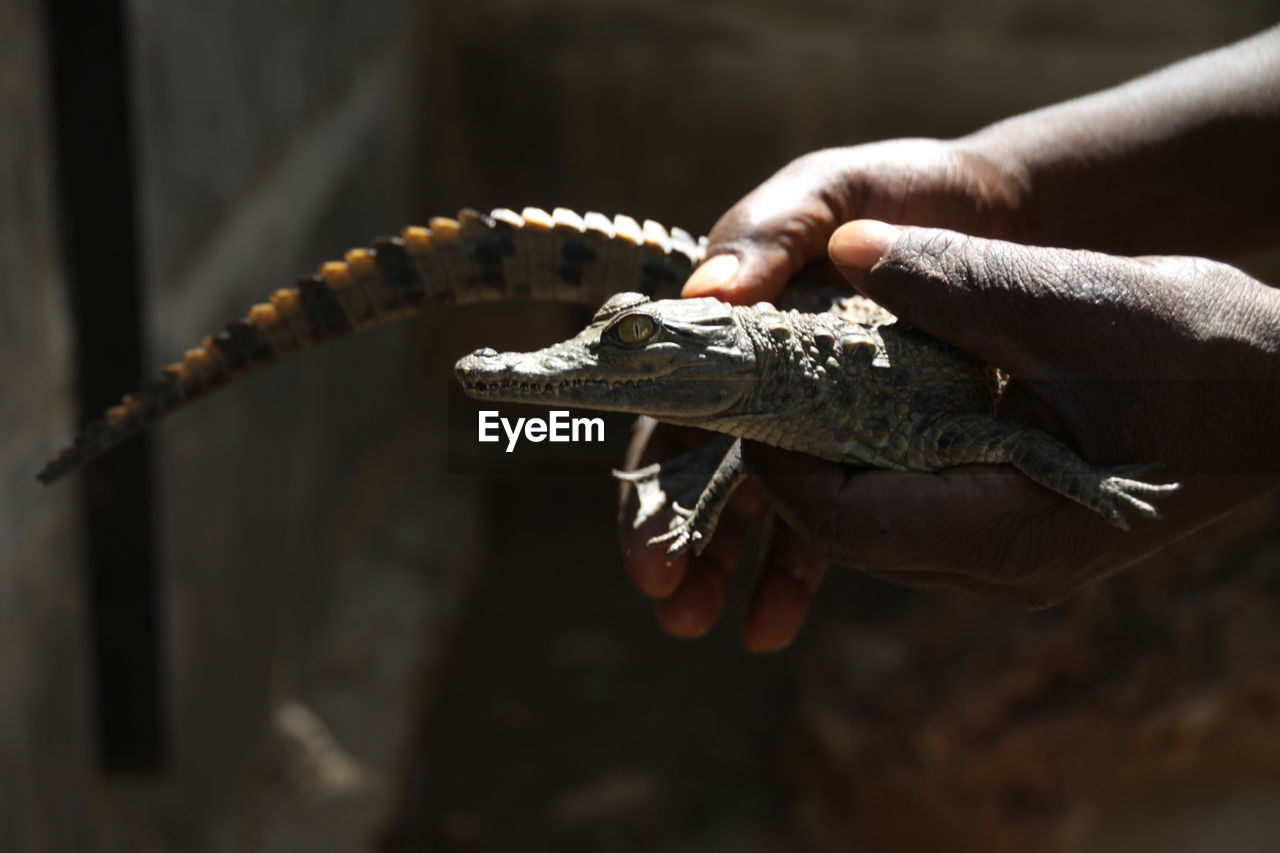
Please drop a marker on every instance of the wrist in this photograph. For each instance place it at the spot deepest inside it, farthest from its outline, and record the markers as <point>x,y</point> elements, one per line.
<point>1176,162</point>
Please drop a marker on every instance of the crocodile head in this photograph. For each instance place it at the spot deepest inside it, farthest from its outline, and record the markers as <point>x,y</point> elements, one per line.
<point>675,359</point>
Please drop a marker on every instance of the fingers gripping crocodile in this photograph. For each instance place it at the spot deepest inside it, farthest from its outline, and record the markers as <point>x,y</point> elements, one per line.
<point>827,374</point>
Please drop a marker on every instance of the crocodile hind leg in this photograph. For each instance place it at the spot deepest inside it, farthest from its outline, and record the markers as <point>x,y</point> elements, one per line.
<point>1111,492</point>
<point>693,488</point>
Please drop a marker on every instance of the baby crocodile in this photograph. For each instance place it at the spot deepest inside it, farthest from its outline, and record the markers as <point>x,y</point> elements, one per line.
<point>848,384</point>
<point>827,373</point>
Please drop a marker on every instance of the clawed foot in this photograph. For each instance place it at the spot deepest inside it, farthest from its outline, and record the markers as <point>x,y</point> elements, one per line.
<point>685,533</point>
<point>703,478</point>
<point>1118,491</point>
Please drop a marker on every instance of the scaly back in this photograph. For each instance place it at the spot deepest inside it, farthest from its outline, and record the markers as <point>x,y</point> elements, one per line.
<point>557,257</point>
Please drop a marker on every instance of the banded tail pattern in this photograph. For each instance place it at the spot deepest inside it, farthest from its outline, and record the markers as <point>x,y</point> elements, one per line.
<point>558,256</point>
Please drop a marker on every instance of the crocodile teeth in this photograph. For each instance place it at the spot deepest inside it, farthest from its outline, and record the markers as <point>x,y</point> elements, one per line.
<point>553,389</point>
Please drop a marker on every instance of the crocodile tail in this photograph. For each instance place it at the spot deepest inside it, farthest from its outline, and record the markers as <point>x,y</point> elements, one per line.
<point>558,257</point>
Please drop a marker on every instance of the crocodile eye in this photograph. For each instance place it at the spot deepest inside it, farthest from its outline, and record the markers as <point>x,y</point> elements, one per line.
<point>635,328</point>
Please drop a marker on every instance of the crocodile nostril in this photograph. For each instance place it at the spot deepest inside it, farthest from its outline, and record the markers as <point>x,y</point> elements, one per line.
<point>485,352</point>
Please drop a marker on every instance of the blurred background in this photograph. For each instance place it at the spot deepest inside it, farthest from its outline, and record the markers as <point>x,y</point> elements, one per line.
<point>293,618</point>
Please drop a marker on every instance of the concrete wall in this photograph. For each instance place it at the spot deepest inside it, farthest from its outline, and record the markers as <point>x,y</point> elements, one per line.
<point>268,139</point>
<point>272,139</point>
<point>47,790</point>
<point>674,110</point>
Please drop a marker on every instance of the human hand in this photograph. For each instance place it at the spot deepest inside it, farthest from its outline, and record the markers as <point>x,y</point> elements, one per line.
<point>784,224</point>
<point>691,589</point>
<point>764,239</point>
<point>1203,129</point>
<point>1161,359</point>
<point>1164,359</point>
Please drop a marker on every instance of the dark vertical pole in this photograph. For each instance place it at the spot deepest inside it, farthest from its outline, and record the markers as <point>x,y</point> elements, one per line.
<point>89,57</point>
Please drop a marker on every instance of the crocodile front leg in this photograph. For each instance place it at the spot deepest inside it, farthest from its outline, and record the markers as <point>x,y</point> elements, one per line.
<point>704,478</point>
<point>964,439</point>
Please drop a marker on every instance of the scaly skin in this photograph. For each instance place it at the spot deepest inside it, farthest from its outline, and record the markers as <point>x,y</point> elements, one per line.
<point>838,378</point>
<point>557,257</point>
<point>848,384</point>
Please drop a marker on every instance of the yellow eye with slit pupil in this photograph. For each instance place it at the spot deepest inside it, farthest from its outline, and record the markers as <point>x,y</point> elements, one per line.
<point>635,328</point>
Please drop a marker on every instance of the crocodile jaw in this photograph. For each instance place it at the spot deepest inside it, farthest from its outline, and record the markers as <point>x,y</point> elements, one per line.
<point>678,394</point>
<point>683,360</point>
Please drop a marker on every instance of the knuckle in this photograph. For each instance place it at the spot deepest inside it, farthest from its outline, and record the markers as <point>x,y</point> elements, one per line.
<point>945,256</point>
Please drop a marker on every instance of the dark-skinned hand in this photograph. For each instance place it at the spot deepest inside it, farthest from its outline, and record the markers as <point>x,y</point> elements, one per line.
<point>1166,359</point>
<point>778,229</point>
<point>1125,359</point>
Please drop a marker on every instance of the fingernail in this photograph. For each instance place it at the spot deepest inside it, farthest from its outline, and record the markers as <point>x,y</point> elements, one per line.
<point>713,276</point>
<point>862,243</point>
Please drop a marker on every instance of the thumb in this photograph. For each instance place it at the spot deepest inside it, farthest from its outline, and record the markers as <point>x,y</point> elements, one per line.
<point>1022,308</point>
<point>742,275</point>
<point>751,257</point>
